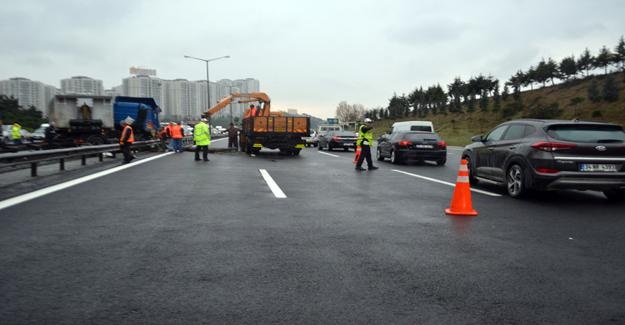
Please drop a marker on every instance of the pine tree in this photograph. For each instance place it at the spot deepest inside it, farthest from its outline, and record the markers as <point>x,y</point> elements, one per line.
<point>568,67</point>
<point>603,59</point>
<point>496,99</point>
<point>610,91</point>
<point>593,91</point>
<point>505,93</point>
<point>619,54</point>
<point>586,61</point>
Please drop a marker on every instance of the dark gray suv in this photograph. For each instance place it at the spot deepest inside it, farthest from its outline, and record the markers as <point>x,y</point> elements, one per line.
<point>550,154</point>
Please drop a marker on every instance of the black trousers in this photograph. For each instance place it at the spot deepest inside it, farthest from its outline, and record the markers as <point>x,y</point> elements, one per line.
<point>364,153</point>
<point>125,148</point>
<point>232,142</point>
<point>204,152</point>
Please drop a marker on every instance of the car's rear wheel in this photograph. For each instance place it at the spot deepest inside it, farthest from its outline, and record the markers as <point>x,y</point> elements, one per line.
<point>394,157</point>
<point>515,181</point>
<point>615,195</point>
<point>441,162</point>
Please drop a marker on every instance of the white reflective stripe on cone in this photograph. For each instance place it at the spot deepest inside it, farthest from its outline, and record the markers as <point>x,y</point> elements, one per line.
<point>462,179</point>
<point>464,168</point>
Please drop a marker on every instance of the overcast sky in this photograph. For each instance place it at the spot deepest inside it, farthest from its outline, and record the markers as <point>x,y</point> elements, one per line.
<point>308,55</point>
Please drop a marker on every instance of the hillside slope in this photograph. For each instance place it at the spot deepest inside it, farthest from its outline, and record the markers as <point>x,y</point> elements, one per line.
<point>569,99</point>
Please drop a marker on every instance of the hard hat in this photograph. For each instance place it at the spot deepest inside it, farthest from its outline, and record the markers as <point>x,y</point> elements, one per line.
<point>368,120</point>
<point>204,119</point>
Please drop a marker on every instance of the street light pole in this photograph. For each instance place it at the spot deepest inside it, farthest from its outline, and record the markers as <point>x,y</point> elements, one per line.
<point>208,84</point>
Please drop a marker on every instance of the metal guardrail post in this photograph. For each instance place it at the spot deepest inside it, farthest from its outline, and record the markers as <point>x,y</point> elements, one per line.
<point>101,157</point>
<point>62,164</point>
<point>33,169</point>
<point>83,160</point>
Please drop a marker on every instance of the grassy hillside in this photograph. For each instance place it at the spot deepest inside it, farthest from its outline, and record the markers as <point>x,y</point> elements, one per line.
<point>570,99</point>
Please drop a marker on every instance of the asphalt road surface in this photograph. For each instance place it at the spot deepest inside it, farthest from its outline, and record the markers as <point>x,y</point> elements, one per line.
<point>174,241</point>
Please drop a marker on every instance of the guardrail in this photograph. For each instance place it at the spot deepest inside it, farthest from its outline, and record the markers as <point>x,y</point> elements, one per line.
<point>34,158</point>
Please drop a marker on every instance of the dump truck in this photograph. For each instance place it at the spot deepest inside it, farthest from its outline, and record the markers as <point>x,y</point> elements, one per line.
<point>85,119</point>
<point>267,129</point>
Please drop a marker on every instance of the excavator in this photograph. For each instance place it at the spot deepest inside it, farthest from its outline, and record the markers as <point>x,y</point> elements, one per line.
<point>266,129</point>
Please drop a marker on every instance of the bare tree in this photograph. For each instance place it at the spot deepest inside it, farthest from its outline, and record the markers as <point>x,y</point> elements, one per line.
<point>349,113</point>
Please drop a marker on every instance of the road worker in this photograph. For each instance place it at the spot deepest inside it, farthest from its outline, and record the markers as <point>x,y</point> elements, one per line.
<point>202,139</point>
<point>365,140</point>
<point>232,136</point>
<point>126,139</point>
<point>176,136</point>
<point>16,133</point>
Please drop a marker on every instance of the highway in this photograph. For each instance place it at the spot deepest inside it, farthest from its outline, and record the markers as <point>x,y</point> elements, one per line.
<point>301,239</point>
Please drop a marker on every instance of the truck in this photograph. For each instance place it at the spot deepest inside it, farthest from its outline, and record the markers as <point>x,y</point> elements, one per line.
<point>267,129</point>
<point>86,119</point>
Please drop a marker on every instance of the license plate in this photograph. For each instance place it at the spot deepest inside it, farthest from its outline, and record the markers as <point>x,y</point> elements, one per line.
<point>424,146</point>
<point>348,144</point>
<point>597,167</point>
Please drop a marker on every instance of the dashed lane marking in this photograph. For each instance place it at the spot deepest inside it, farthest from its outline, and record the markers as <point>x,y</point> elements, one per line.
<point>329,154</point>
<point>445,183</point>
<point>277,192</point>
<point>55,188</point>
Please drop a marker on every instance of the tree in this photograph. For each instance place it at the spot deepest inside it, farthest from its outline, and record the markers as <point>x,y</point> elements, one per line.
<point>610,91</point>
<point>496,99</point>
<point>349,113</point>
<point>455,93</point>
<point>568,67</point>
<point>593,91</point>
<point>585,62</point>
<point>11,111</point>
<point>506,92</point>
<point>619,54</point>
<point>603,59</point>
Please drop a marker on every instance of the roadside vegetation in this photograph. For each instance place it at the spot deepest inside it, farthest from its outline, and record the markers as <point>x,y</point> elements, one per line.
<point>585,87</point>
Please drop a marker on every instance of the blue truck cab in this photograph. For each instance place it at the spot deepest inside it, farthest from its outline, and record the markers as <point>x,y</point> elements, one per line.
<point>143,110</point>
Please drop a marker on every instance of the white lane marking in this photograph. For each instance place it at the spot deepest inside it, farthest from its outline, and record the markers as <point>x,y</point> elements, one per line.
<point>218,139</point>
<point>45,191</point>
<point>272,184</point>
<point>328,154</point>
<point>455,148</point>
<point>443,182</point>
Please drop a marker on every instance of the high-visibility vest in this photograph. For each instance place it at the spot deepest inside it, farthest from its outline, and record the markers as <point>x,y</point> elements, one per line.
<point>130,137</point>
<point>364,135</point>
<point>176,132</point>
<point>15,132</point>
<point>201,135</point>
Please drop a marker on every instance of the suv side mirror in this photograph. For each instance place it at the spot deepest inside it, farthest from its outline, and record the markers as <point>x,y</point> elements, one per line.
<point>477,138</point>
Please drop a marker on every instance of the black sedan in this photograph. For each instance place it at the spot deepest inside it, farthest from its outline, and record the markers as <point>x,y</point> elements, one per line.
<point>420,146</point>
<point>550,155</point>
<point>337,139</point>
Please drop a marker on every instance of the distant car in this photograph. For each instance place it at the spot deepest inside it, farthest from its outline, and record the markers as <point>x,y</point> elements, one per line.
<point>312,140</point>
<point>402,146</point>
<point>406,126</point>
<point>337,139</point>
<point>550,155</point>
<point>39,134</point>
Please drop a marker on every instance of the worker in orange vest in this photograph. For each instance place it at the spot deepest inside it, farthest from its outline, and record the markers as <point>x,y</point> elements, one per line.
<point>176,136</point>
<point>126,139</point>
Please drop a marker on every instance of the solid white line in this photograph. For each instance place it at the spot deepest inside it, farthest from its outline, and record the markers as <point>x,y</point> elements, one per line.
<point>272,184</point>
<point>45,191</point>
<point>213,140</point>
<point>443,182</point>
<point>328,154</point>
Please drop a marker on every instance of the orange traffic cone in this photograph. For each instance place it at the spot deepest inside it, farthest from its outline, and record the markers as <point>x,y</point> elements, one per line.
<point>461,201</point>
<point>357,155</point>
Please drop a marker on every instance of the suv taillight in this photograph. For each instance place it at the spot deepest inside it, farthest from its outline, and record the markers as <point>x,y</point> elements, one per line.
<point>335,138</point>
<point>552,146</point>
<point>404,143</point>
<point>442,144</point>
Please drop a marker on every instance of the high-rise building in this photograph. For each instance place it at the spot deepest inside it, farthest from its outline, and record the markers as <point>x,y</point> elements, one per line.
<point>81,85</point>
<point>29,93</point>
<point>181,99</point>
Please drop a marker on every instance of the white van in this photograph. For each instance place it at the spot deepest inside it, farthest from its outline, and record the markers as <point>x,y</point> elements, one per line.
<point>419,126</point>
<point>323,129</point>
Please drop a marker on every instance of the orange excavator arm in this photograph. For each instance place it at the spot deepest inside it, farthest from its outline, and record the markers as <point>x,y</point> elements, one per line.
<point>242,98</point>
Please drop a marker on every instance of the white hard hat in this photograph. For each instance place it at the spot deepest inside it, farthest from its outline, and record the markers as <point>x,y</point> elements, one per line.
<point>368,120</point>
